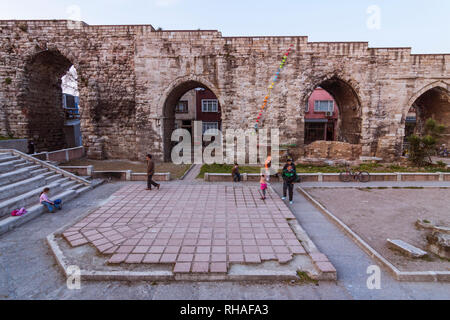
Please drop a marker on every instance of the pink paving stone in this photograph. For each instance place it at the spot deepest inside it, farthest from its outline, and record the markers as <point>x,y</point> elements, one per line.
<point>78,242</point>
<point>140,249</point>
<point>325,267</point>
<point>134,258</point>
<point>319,257</point>
<point>152,258</point>
<point>219,249</point>
<point>182,267</point>
<point>266,249</point>
<point>110,250</point>
<point>125,249</point>
<point>185,257</point>
<point>172,249</point>
<point>218,267</point>
<point>236,258</point>
<point>252,258</point>
<point>168,258</point>
<point>251,249</point>
<point>203,249</point>
<point>280,249</point>
<point>156,249</point>
<point>200,267</point>
<point>201,257</point>
<point>235,249</point>
<point>268,256</point>
<point>297,249</point>
<point>187,249</point>
<point>219,257</point>
<point>117,258</point>
<point>284,258</point>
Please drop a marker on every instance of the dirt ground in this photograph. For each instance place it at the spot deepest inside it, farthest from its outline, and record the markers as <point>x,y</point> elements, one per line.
<point>175,170</point>
<point>378,214</point>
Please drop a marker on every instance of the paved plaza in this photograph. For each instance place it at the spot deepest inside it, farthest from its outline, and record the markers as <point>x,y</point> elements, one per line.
<point>197,228</point>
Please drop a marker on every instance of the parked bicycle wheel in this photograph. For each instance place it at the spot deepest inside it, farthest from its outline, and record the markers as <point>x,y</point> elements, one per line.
<point>345,176</point>
<point>364,176</point>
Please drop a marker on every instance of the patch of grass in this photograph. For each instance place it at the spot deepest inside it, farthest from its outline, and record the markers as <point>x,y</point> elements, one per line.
<point>7,138</point>
<point>426,221</point>
<point>8,80</point>
<point>226,168</point>
<point>413,188</point>
<point>382,188</point>
<point>305,278</point>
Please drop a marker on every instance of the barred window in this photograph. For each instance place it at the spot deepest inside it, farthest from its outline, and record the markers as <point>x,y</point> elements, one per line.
<point>210,105</point>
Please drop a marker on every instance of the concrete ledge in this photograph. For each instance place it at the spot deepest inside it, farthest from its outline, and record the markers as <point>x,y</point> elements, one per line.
<point>419,276</point>
<point>406,248</point>
<point>334,177</point>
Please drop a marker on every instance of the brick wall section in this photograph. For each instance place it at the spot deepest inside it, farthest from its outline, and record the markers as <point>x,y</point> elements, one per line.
<point>130,77</point>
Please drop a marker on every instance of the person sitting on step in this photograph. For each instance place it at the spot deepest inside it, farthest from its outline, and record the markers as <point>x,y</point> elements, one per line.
<point>44,200</point>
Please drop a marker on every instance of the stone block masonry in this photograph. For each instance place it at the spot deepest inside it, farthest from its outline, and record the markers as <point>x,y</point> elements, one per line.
<point>130,78</point>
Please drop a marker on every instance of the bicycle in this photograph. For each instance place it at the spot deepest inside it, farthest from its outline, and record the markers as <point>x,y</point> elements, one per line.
<point>350,175</point>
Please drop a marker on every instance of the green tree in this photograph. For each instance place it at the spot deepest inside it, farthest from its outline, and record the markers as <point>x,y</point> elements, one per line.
<point>423,146</point>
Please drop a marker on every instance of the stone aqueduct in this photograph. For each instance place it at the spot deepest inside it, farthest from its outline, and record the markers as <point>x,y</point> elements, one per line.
<point>131,76</point>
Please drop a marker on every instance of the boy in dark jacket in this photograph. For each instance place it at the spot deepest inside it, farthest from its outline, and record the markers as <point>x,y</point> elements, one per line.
<point>289,176</point>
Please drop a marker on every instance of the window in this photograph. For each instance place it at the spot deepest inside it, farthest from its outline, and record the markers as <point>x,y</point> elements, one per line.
<point>181,107</point>
<point>210,105</point>
<point>307,107</point>
<point>323,106</point>
<point>210,125</point>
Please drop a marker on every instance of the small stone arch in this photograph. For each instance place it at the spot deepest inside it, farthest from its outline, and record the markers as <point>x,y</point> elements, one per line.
<point>431,101</point>
<point>344,91</point>
<point>170,97</point>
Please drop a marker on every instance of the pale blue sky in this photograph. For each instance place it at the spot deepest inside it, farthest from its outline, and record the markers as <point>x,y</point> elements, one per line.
<point>423,25</point>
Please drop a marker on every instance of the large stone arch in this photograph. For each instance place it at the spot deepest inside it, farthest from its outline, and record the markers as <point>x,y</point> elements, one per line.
<point>168,100</point>
<point>41,97</point>
<point>344,91</point>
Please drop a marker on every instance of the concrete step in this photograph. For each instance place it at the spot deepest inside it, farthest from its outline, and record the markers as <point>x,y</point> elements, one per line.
<point>83,189</point>
<point>10,165</point>
<point>39,170</point>
<point>69,185</point>
<point>17,175</point>
<point>8,223</point>
<point>15,189</point>
<point>7,158</point>
<point>27,199</point>
<point>53,177</point>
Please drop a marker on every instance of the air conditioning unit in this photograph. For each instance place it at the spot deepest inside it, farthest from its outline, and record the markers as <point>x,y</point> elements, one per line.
<point>329,114</point>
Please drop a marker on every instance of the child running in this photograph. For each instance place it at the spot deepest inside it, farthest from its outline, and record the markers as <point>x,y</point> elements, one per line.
<point>263,183</point>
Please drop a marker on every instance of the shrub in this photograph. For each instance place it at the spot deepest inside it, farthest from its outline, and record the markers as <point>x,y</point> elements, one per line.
<point>422,147</point>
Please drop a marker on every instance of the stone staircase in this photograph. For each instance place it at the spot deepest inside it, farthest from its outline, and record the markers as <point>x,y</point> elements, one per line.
<point>22,179</point>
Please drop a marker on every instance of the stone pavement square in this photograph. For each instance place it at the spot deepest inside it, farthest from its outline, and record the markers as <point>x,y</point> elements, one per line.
<point>195,228</point>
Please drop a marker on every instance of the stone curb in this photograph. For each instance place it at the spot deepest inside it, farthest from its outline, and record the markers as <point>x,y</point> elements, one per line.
<point>416,276</point>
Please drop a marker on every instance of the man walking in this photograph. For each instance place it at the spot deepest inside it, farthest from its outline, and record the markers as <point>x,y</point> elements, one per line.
<point>150,173</point>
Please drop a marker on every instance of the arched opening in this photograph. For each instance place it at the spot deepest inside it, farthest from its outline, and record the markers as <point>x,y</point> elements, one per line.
<point>333,113</point>
<point>433,103</point>
<point>188,102</point>
<point>50,102</point>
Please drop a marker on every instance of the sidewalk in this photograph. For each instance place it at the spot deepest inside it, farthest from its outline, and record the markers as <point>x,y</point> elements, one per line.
<point>350,261</point>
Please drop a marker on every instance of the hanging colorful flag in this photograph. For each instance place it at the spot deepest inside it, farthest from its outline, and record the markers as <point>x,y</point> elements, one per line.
<point>275,79</point>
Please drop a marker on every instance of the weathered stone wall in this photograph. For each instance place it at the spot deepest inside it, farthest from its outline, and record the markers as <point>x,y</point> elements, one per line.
<point>130,78</point>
